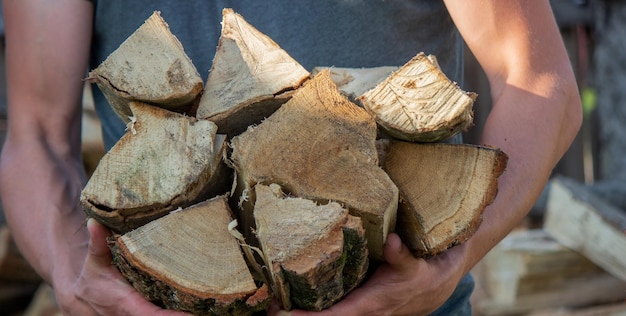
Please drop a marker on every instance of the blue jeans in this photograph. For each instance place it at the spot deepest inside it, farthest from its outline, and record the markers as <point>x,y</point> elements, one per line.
<point>459,303</point>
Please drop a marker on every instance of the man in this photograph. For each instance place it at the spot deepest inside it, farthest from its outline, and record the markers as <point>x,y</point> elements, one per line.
<point>535,116</point>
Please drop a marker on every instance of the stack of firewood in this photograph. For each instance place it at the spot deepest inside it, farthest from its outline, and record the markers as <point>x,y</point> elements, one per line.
<point>268,181</point>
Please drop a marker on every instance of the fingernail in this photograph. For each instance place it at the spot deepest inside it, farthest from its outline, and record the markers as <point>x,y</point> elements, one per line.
<point>284,313</point>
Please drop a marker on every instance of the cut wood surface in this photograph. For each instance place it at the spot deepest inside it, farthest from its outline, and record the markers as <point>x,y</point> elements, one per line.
<point>353,82</point>
<point>530,270</point>
<point>317,253</point>
<point>250,78</point>
<point>419,103</point>
<point>189,261</point>
<point>164,161</point>
<point>322,147</point>
<point>149,66</point>
<point>586,223</point>
<point>444,189</point>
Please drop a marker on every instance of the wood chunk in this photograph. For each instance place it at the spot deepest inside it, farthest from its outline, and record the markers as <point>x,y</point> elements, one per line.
<point>150,66</point>
<point>444,189</point>
<point>419,103</point>
<point>580,220</point>
<point>250,78</point>
<point>529,270</point>
<point>188,261</point>
<point>353,82</point>
<point>164,161</point>
<point>321,147</point>
<point>317,252</point>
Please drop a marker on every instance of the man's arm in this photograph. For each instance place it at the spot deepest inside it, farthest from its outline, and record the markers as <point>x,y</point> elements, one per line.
<point>536,106</point>
<point>535,117</point>
<point>41,171</point>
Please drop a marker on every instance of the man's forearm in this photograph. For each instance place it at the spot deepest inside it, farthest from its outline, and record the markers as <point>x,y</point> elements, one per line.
<point>535,133</point>
<point>40,197</point>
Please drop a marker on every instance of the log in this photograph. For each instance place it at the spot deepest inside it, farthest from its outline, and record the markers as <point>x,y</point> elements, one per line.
<point>250,78</point>
<point>164,161</point>
<point>529,270</point>
<point>189,261</point>
<point>444,189</point>
<point>317,253</point>
<point>580,220</point>
<point>419,103</point>
<point>150,66</point>
<point>321,147</point>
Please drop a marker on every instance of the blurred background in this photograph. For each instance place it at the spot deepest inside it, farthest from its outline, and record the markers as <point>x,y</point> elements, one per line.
<point>550,265</point>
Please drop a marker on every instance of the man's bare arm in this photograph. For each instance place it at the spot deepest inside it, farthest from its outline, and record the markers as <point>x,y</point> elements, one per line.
<point>41,171</point>
<point>536,107</point>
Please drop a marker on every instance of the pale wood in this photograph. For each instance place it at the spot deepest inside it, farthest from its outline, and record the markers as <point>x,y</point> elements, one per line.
<point>149,66</point>
<point>353,82</point>
<point>320,146</point>
<point>164,161</point>
<point>317,252</point>
<point>444,189</point>
<point>250,78</point>
<point>529,270</point>
<point>585,223</point>
<point>189,261</point>
<point>614,309</point>
<point>419,103</point>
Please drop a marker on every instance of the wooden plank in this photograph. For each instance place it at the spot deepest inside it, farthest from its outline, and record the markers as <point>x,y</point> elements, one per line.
<point>529,270</point>
<point>585,223</point>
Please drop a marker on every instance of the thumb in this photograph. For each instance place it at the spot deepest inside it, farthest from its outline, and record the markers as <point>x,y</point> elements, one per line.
<point>395,252</point>
<point>98,248</point>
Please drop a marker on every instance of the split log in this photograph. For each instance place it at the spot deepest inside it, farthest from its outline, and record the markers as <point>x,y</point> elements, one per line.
<point>149,66</point>
<point>164,161</point>
<point>250,78</point>
<point>322,147</point>
<point>189,261</point>
<point>317,253</point>
<point>580,220</point>
<point>419,103</point>
<point>444,189</point>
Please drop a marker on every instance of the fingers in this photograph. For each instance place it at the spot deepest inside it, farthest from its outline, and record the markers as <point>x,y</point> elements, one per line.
<point>98,247</point>
<point>396,254</point>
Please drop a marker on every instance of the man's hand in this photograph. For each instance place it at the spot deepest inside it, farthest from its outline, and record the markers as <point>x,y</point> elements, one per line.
<point>101,289</point>
<point>403,285</point>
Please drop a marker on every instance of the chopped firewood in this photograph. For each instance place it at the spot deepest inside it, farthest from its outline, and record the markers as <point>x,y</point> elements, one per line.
<point>317,253</point>
<point>444,189</point>
<point>319,146</point>
<point>313,196</point>
<point>164,161</point>
<point>353,82</point>
<point>150,66</point>
<point>250,78</point>
<point>189,261</point>
<point>586,223</point>
<point>419,103</point>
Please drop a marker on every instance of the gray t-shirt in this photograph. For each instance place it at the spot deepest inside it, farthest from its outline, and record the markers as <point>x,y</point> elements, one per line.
<point>341,33</point>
